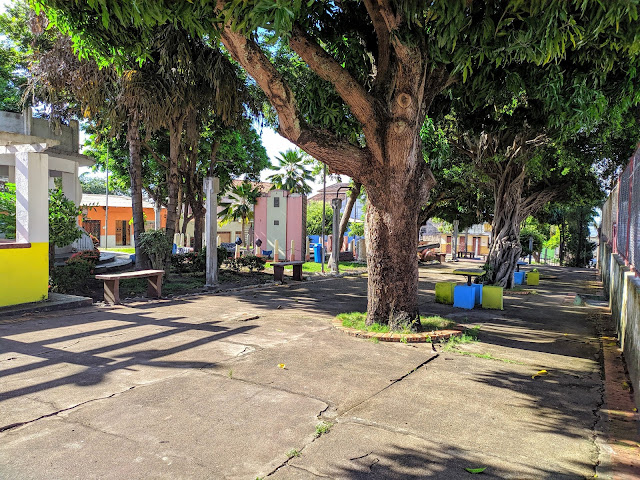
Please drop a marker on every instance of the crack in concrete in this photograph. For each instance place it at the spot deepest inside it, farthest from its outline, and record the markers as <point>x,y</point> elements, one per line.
<point>393,382</point>
<point>52,414</point>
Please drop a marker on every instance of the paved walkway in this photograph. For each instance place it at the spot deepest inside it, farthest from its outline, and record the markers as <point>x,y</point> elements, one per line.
<point>194,388</point>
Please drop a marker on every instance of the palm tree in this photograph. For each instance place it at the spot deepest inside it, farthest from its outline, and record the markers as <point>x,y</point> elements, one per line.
<point>242,199</point>
<point>294,175</point>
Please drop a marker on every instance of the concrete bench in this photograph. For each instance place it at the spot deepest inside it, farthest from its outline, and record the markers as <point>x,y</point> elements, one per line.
<point>112,283</point>
<point>278,270</point>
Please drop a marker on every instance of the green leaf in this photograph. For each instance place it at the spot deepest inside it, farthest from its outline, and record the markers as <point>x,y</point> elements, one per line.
<point>476,470</point>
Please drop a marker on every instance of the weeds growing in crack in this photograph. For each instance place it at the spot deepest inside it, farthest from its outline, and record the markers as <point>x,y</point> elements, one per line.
<point>322,428</point>
<point>293,453</point>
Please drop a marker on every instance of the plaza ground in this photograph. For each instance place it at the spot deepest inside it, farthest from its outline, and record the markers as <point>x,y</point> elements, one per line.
<point>234,385</point>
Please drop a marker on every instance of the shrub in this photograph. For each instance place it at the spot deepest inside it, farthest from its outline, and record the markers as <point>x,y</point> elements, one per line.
<point>91,256</point>
<point>181,262</point>
<point>94,239</point>
<point>252,262</point>
<point>71,277</point>
<point>157,246</point>
<point>195,261</point>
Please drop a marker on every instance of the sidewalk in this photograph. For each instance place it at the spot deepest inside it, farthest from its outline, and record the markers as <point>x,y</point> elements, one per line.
<point>193,388</point>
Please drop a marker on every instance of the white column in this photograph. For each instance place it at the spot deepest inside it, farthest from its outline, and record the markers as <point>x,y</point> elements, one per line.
<point>32,197</point>
<point>211,187</point>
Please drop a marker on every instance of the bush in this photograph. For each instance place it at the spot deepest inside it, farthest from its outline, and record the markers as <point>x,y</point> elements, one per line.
<point>157,246</point>
<point>195,262</point>
<point>71,277</point>
<point>91,256</point>
<point>181,262</point>
<point>252,262</point>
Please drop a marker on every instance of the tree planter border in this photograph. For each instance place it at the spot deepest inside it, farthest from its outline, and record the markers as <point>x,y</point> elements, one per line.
<point>421,337</point>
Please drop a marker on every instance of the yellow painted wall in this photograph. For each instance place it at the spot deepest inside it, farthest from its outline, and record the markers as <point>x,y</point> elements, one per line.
<point>24,274</point>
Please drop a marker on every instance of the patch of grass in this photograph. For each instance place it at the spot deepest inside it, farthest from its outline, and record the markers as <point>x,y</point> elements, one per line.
<point>175,285</point>
<point>230,374</point>
<point>322,428</point>
<point>468,336</point>
<point>293,453</point>
<point>119,249</point>
<point>314,267</point>
<point>488,356</point>
<point>374,340</point>
<point>357,320</point>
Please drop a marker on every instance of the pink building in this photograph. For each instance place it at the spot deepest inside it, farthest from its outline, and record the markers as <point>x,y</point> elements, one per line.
<point>282,216</point>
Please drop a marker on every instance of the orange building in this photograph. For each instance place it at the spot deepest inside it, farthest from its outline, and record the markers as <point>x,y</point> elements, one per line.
<point>119,231</point>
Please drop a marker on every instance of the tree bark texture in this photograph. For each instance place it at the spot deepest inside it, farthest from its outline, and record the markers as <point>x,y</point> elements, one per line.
<point>175,132</point>
<point>135,174</point>
<point>390,166</point>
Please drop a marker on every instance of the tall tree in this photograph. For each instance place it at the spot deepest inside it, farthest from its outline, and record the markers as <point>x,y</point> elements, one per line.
<point>294,174</point>
<point>381,64</point>
<point>242,200</point>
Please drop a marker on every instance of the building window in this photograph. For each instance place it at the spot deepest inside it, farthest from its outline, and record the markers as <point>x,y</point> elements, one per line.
<point>276,222</point>
<point>276,201</point>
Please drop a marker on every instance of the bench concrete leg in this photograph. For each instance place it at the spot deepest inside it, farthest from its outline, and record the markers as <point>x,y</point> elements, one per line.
<point>112,291</point>
<point>278,273</point>
<point>297,272</point>
<point>154,287</point>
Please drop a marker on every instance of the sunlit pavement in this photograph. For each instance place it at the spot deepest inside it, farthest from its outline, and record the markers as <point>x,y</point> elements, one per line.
<point>234,385</point>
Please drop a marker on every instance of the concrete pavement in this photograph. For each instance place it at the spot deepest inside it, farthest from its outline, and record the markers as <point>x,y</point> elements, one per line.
<point>193,388</point>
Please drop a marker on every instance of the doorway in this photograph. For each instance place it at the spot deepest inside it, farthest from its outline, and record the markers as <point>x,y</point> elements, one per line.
<point>92,227</point>
<point>123,233</point>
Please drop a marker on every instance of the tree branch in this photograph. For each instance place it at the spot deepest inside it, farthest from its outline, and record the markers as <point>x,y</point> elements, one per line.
<point>155,156</point>
<point>361,104</point>
<point>536,201</point>
<point>383,35</point>
<point>339,155</point>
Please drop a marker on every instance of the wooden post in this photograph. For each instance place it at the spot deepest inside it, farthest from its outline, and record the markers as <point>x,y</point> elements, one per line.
<point>292,255</point>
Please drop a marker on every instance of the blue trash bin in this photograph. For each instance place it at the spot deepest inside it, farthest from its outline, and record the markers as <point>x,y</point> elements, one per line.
<point>317,253</point>
<point>518,278</point>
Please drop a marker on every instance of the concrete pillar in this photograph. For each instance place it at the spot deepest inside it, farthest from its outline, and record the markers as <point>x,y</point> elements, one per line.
<point>362,250</point>
<point>32,197</point>
<point>156,218</point>
<point>276,247</point>
<point>211,187</point>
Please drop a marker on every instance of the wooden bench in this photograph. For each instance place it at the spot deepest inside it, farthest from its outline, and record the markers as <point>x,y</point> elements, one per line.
<point>278,270</point>
<point>112,283</point>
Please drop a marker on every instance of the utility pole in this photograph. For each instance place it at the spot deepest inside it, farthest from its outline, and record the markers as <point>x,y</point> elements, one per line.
<point>455,240</point>
<point>211,187</point>
<point>324,200</point>
<point>106,206</point>
<point>336,204</point>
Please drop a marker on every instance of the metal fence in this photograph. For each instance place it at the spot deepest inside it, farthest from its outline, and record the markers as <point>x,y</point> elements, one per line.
<point>620,226</point>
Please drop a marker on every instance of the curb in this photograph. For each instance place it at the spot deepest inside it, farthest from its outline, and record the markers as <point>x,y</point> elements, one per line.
<point>422,337</point>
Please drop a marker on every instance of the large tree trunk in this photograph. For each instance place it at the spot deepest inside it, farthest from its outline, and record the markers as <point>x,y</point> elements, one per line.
<point>392,243</point>
<point>505,247</point>
<point>135,174</point>
<point>198,228</point>
<point>390,166</point>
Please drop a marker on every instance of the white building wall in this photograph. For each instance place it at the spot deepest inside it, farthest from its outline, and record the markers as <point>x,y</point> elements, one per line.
<point>277,223</point>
